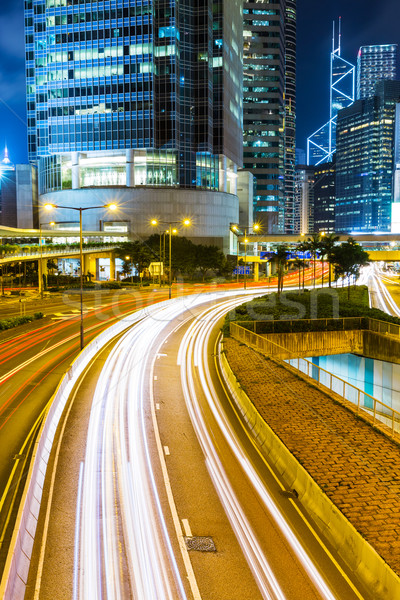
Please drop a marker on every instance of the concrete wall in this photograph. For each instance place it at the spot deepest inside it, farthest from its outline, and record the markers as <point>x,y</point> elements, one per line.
<point>211,212</point>
<point>318,343</point>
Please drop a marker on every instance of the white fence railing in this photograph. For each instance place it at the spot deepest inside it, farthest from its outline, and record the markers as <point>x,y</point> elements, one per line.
<point>364,401</point>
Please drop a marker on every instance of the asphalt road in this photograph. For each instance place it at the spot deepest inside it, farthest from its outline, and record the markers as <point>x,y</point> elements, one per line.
<point>254,556</point>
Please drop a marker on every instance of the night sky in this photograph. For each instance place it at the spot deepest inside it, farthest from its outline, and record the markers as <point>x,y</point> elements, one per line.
<point>363,22</point>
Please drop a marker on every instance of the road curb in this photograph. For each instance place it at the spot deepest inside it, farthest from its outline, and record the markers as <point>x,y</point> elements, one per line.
<point>357,553</point>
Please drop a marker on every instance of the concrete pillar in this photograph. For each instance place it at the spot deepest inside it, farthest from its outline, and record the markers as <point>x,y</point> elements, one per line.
<point>75,170</point>
<point>130,168</point>
<point>89,265</point>
<point>256,272</point>
<point>42,273</point>
<point>112,266</point>
<point>223,185</point>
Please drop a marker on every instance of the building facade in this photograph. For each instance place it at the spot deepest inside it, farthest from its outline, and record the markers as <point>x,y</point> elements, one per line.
<point>365,162</point>
<point>18,195</point>
<point>321,145</point>
<point>304,199</point>
<point>140,100</point>
<point>375,63</point>
<point>269,108</point>
<point>325,197</point>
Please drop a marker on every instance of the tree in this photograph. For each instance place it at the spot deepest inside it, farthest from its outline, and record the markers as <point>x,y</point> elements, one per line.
<point>208,258</point>
<point>281,257</point>
<point>314,245</point>
<point>328,244</point>
<point>298,263</point>
<point>348,259</point>
<point>303,247</point>
<point>140,254</point>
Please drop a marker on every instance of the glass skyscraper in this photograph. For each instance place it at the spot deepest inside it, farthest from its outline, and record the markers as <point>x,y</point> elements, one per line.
<point>375,63</point>
<point>269,107</point>
<point>137,94</point>
<point>321,145</point>
<point>365,161</point>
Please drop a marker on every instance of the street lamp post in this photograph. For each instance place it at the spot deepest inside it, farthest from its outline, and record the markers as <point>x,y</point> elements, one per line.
<point>256,227</point>
<point>40,269</point>
<point>186,223</point>
<point>80,209</point>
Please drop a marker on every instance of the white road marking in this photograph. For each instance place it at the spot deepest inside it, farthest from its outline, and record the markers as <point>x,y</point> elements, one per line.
<point>166,451</point>
<point>186,527</point>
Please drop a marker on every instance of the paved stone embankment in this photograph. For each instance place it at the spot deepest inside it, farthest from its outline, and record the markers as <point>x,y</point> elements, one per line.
<point>355,465</point>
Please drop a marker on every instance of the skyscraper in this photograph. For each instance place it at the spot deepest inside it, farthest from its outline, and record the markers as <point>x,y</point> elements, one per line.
<point>325,197</point>
<point>375,63</point>
<point>269,107</point>
<point>141,100</point>
<point>321,145</point>
<point>365,161</point>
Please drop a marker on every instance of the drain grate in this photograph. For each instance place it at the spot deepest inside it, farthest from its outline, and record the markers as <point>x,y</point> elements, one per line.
<point>200,543</point>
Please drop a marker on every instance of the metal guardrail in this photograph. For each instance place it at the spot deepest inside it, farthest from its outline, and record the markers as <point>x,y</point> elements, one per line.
<point>70,250</point>
<point>364,401</point>
<point>304,325</point>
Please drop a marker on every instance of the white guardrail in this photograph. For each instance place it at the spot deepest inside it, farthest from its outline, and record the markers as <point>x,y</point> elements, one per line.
<point>17,565</point>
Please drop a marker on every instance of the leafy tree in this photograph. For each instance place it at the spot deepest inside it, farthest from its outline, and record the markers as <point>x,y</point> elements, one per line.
<point>314,245</point>
<point>303,247</point>
<point>140,254</point>
<point>208,258</point>
<point>298,263</point>
<point>348,259</point>
<point>281,257</point>
<point>327,248</point>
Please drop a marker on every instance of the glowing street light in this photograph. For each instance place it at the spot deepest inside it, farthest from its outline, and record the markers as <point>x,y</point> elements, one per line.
<point>185,223</point>
<point>112,206</point>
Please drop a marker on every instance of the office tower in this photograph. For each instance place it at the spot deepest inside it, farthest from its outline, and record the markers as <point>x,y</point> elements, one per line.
<point>18,194</point>
<point>142,101</point>
<point>269,107</point>
<point>290,113</point>
<point>325,196</point>
<point>365,161</point>
<point>321,145</point>
<point>304,199</point>
<point>375,63</point>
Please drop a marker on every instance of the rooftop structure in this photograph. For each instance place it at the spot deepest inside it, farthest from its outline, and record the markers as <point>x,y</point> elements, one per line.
<point>375,63</point>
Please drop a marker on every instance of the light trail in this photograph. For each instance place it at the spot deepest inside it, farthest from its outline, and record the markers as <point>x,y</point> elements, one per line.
<point>120,502</point>
<point>384,298</point>
<point>194,345</point>
<point>124,545</point>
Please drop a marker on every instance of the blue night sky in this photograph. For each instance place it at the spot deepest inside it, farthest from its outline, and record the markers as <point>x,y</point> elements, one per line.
<point>363,22</point>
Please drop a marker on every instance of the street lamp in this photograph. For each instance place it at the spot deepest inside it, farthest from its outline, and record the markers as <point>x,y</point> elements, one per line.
<point>255,227</point>
<point>128,258</point>
<point>40,269</point>
<point>185,223</point>
<point>111,206</point>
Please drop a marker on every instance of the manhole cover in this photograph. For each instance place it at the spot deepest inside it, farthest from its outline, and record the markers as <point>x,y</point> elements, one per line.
<point>200,543</point>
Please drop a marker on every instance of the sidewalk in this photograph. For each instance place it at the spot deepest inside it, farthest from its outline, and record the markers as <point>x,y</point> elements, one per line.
<point>354,464</point>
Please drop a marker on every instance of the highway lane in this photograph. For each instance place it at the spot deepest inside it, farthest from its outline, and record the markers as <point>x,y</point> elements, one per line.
<point>384,290</point>
<point>148,488</point>
<point>31,365</point>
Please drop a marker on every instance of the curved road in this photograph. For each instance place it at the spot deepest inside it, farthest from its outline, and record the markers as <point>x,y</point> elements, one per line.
<point>169,498</point>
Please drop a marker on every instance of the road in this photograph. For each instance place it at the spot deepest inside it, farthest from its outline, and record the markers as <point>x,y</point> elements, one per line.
<point>166,467</point>
<point>34,357</point>
<point>384,289</point>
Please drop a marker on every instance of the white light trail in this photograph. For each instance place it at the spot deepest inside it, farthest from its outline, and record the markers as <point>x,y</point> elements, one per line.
<point>194,351</point>
<point>120,503</point>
